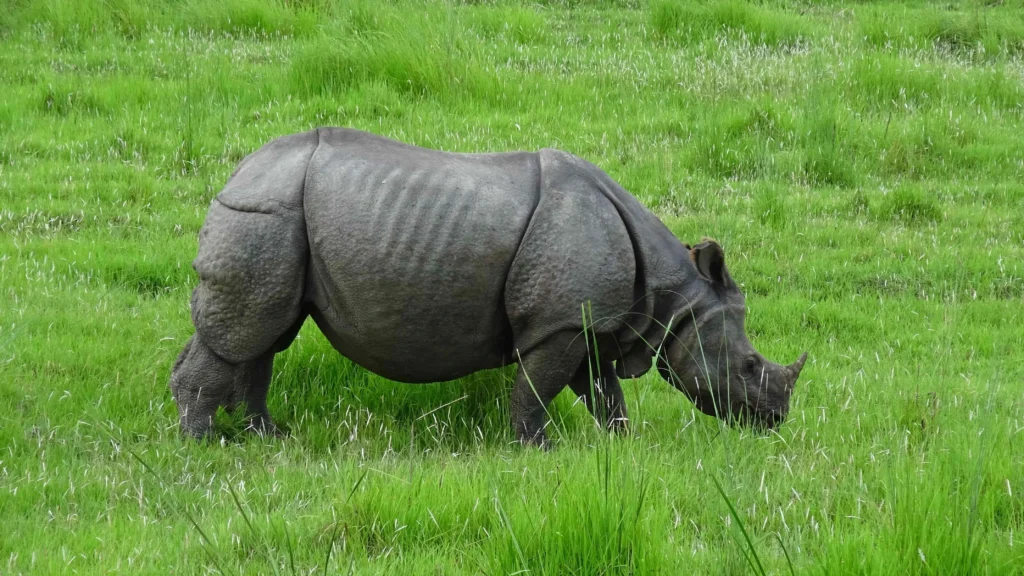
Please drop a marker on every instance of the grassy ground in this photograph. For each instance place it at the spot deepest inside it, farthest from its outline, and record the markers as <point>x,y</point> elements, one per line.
<point>861,164</point>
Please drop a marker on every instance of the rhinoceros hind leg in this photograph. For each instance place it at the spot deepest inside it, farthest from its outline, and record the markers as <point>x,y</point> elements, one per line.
<point>201,382</point>
<point>252,382</point>
<point>601,392</point>
<point>543,372</point>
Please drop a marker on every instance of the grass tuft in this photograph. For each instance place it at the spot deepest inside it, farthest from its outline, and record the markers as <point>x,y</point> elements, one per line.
<point>910,205</point>
<point>604,528</point>
<point>691,21</point>
<point>261,17</point>
<point>990,30</point>
<point>828,160</point>
<point>523,25</point>
<point>770,207</point>
<point>411,57</point>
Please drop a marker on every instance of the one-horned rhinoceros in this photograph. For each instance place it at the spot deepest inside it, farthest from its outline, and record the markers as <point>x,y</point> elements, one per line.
<point>425,266</point>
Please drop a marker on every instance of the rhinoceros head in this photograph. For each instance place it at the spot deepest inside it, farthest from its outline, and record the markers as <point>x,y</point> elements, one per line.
<point>709,358</point>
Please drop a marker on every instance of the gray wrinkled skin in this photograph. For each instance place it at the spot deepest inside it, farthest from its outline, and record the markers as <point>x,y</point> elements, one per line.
<point>425,266</point>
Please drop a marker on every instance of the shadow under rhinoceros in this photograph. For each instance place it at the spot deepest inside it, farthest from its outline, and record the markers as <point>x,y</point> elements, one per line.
<point>327,402</point>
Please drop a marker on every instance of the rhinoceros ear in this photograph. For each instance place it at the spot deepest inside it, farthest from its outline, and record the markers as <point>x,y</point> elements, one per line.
<point>710,260</point>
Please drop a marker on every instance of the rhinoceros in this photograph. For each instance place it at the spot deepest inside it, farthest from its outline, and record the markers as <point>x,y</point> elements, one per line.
<point>426,266</point>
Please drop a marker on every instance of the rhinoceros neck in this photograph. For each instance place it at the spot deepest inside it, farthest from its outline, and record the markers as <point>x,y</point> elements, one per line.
<point>687,307</point>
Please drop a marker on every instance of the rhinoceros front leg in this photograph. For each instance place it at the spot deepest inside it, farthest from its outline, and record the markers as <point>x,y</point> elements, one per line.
<point>543,372</point>
<point>599,388</point>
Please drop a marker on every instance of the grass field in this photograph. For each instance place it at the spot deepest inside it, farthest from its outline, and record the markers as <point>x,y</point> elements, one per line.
<point>861,164</point>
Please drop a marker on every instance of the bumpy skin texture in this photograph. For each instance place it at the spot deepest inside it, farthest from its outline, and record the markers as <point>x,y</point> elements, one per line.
<point>426,266</point>
<point>575,248</point>
<point>253,252</point>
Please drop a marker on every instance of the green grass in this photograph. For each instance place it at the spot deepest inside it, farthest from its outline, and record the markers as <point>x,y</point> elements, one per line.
<point>860,163</point>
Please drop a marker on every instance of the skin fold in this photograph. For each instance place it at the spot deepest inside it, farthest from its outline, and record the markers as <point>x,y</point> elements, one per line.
<point>425,266</point>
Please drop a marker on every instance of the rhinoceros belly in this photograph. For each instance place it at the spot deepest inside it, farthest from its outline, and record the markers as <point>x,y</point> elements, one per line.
<point>409,252</point>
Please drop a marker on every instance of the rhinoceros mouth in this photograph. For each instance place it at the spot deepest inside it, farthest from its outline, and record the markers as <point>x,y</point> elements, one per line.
<point>761,420</point>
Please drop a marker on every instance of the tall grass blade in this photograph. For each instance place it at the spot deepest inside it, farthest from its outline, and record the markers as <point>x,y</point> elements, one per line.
<point>755,563</point>
<point>208,545</point>
<point>248,522</point>
<point>789,562</point>
<point>511,532</point>
<point>291,550</point>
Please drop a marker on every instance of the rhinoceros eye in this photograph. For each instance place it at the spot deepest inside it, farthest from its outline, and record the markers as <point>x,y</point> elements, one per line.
<point>753,366</point>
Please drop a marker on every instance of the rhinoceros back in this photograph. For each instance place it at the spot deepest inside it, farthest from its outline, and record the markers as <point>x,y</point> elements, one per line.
<point>409,252</point>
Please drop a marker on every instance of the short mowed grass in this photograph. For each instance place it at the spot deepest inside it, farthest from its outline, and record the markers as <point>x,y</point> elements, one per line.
<point>861,164</point>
